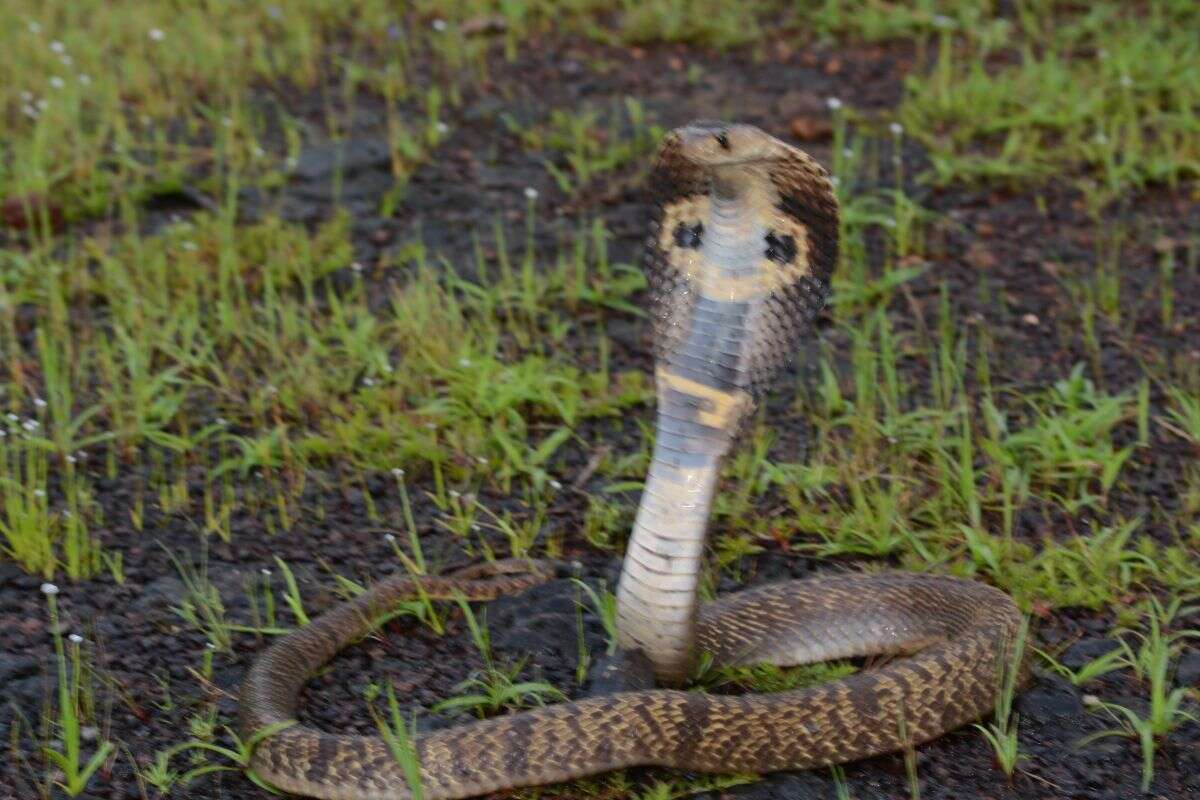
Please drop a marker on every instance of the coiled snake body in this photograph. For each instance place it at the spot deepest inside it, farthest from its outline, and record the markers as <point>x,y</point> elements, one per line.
<point>739,258</point>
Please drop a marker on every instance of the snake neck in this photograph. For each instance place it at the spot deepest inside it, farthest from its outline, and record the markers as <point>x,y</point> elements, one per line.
<point>657,597</point>
<point>741,203</point>
<point>702,400</point>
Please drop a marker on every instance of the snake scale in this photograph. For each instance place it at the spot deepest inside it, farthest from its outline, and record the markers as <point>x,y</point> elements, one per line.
<point>741,248</point>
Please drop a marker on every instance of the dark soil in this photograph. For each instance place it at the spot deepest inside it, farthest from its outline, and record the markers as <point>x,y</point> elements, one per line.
<point>1002,258</point>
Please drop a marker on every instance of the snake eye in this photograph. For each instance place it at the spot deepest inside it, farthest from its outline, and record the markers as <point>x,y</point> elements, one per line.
<point>722,139</point>
<point>689,236</point>
<point>780,249</point>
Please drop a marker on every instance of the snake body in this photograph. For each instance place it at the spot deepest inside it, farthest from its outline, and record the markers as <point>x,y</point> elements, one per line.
<point>739,256</point>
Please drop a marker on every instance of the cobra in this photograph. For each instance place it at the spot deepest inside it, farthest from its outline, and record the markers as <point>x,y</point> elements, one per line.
<point>741,247</point>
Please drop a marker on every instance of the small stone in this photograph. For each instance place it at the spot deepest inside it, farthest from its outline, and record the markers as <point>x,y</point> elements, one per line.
<point>1187,671</point>
<point>1164,244</point>
<point>1051,697</point>
<point>320,161</point>
<point>1085,651</point>
<point>1031,319</point>
<point>13,667</point>
<point>810,128</point>
<point>980,257</point>
<point>799,103</point>
<point>623,671</point>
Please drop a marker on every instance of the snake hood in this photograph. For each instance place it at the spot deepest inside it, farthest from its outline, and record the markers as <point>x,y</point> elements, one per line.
<point>742,244</point>
<point>741,248</point>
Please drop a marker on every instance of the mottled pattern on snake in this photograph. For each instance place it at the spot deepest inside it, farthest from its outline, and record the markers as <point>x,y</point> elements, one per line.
<point>740,251</point>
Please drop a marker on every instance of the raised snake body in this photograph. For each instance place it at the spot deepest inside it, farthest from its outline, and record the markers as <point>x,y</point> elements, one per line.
<point>739,257</point>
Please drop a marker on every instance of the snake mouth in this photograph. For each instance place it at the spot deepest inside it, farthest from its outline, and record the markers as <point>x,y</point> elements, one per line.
<point>714,143</point>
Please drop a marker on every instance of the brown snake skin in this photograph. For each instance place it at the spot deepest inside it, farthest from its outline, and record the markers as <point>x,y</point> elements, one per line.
<point>739,257</point>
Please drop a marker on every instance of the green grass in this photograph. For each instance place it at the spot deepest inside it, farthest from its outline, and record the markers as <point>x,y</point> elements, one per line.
<point>587,145</point>
<point>1100,94</point>
<point>455,378</point>
<point>68,757</point>
<point>1001,733</point>
<point>399,738</point>
<point>224,370</point>
<point>495,687</point>
<point>1152,662</point>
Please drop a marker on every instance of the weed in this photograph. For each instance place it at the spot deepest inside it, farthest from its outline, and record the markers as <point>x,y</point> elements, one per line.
<point>292,595</point>
<point>605,522</point>
<point>399,738</point>
<point>41,540</point>
<point>201,605</point>
<point>76,773</point>
<point>704,22</point>
<point>1067,448</point>
<point>238,756</point>
<point>159,773</point>
<point>1184,415</point>
<point>1101,665</point>
<point>1001,733</point>
<point>840,787</point>
<point>496,689</point>
<point>1038,117</point>
<point>589,147</point>
<point>604,605</point>
<point>1152,663</point>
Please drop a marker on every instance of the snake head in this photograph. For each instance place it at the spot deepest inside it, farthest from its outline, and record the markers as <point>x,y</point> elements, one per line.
<point>711,143</point>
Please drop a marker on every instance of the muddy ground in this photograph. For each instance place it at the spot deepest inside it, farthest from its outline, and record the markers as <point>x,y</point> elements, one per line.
<point>1001,256</point>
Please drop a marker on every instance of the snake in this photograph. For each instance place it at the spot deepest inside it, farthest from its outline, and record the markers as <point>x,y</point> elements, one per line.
<point>742,244</point>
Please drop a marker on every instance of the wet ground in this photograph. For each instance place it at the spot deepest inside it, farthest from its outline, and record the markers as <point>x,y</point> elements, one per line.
<point>1006,255</point>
